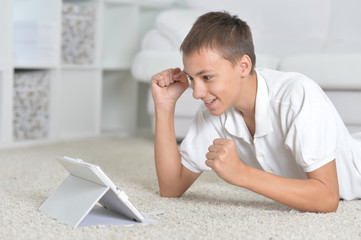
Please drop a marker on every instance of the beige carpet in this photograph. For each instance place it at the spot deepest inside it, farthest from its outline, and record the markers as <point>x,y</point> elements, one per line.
<point>211,209</point>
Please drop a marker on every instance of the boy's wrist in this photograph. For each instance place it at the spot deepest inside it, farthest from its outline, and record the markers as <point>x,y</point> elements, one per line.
<point>168,108</point>
<point>244,177</point>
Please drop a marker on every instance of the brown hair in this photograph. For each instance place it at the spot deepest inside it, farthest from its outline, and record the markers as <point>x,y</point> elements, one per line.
<point>220,31</point>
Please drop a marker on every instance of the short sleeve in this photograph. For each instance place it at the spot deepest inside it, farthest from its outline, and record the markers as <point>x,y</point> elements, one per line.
<point>312,136</point>
<point>204,129</point>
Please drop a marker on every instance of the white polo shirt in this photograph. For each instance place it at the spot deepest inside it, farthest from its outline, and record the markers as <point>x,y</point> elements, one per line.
<point>298,130</point>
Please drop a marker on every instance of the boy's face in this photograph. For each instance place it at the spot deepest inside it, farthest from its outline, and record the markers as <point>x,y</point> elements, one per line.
<point>214,80</point>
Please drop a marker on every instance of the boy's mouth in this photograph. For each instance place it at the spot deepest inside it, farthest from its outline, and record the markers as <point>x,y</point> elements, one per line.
<point>210,101</point>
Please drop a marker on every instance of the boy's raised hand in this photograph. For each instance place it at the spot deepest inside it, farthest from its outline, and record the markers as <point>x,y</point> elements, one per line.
<point>167,86</point>
<point>222,158</point>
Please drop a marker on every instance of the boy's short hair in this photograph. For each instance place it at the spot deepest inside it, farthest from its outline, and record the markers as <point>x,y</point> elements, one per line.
<point>228,35</point>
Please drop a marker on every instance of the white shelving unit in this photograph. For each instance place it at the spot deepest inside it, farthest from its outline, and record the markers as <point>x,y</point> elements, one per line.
<point>85,49</point>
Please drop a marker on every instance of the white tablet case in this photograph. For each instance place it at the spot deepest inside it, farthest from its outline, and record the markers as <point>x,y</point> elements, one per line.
<point>76,197</point>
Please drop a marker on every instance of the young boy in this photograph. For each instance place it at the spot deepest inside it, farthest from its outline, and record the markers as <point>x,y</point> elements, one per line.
<point>274,133</point>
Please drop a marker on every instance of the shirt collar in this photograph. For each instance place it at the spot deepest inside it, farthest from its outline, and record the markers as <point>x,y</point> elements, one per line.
<point>235,124</point>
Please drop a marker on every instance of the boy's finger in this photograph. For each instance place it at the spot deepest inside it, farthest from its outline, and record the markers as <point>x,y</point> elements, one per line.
<point>211,156</point>
<point>209,163</point>
<point>178,76</point>
<point>221,141</point>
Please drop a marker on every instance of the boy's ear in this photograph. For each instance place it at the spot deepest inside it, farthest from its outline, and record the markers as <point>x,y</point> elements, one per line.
<point>245,64</point>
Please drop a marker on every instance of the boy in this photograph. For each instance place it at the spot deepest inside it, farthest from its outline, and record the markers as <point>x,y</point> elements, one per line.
<point>271,132</point>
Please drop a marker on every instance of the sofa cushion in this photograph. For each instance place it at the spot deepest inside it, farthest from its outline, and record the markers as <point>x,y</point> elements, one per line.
<point>176,23</point>
<point>155,40</point>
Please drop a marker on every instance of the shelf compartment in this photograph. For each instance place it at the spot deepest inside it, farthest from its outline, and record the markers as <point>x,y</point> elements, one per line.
<point>78,33</point>
<point>34,44</point>
<point>1,106</point>
<point>119,102</point>
<point>35,33</point>
<point>5,32</point>
<point>120,34</point>
<point>78,103</point>
<point>31,100</point>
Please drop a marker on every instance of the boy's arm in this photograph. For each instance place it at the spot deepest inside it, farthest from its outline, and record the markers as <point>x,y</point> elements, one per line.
<point>173,178</point>
<point>318,193</point>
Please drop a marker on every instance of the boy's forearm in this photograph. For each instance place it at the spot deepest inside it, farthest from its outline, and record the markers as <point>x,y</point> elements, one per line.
<point>166,153</point>
<point>302,194</point>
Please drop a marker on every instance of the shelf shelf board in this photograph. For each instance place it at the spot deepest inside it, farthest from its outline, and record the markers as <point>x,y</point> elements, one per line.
<point>29,142</point>
<point>156,4</point>
<point>35,66</point>
<point>115,68</point>
<point>79,67</point>
<point>159,4</point>
<point>119,1</point>
<point>2,67</point>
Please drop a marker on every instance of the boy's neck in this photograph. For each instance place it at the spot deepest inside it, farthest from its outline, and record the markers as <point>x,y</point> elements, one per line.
<point>248,95</point>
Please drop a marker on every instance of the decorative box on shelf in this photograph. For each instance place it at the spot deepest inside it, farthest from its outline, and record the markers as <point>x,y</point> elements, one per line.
<point>35,43</point>
<point>78,35</point>
<point>31,105</point>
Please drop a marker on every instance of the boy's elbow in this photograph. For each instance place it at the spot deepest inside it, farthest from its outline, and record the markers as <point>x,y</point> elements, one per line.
<point>333,205</point>
<point>330,205</point>
<point>167,194</point>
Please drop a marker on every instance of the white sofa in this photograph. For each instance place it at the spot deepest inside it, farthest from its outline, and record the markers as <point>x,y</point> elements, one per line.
<point>320,38</point>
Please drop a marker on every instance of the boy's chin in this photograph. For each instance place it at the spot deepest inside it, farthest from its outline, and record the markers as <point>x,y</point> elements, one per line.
<point>216,112</point>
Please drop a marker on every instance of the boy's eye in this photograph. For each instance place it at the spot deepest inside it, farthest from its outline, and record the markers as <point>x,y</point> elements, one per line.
<point>189,78</point>
<point>207,77</point>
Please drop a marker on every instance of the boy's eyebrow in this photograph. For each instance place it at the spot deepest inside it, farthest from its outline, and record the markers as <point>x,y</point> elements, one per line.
<point>199,73</point>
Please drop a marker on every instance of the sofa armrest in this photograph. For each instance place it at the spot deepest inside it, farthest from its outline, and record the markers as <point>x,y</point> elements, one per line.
<point>149,62</point>
<point>330,71</point>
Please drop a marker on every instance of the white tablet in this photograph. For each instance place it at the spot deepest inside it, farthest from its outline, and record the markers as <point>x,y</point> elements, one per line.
<point>114,199</point>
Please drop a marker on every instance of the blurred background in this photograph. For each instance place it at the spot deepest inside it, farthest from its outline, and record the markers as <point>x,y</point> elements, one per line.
<point>81,68</point>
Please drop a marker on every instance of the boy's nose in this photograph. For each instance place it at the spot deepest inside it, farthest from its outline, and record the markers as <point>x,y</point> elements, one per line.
<point>199,90</point>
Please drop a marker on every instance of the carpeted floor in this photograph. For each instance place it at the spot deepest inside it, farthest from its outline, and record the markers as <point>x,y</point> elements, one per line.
<point>211,209</point>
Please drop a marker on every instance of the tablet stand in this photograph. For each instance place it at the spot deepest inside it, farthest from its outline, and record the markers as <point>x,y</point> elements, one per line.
<point>73,200</point>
